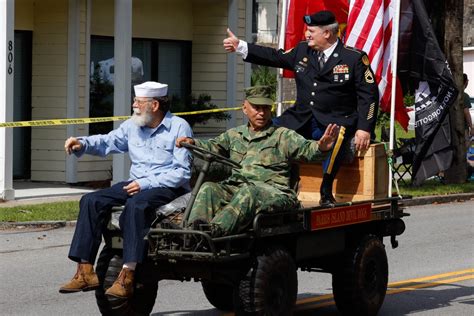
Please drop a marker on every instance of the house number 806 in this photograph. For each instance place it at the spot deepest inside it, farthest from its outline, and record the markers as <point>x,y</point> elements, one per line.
<point>10,57</point>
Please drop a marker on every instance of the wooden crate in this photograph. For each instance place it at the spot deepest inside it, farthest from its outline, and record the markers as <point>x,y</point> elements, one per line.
<point>366,178</point>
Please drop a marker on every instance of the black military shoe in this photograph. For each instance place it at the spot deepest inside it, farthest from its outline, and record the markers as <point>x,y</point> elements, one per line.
<point>167,224</point>
<point>212,229</point>
<point>327,200</point>
<point>201,224</point>
<point>197,242</point>
<point>217,231</point>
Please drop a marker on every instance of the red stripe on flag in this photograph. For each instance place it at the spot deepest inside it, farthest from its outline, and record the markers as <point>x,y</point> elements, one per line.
<point>369,22</point>
<point>374,49</point>
<point>380,50</point>
<point>386,94</point>
<point>353,16</point>
<point>386,54</point>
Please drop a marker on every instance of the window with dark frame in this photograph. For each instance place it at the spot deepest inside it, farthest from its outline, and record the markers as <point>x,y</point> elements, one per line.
<point>254,17</point>
<point>164,61</point>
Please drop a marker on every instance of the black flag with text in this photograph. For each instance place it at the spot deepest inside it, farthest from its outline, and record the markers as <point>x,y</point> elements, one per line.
<point>426,66</point>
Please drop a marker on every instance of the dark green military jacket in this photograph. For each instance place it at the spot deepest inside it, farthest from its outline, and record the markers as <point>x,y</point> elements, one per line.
<point>265,156</point>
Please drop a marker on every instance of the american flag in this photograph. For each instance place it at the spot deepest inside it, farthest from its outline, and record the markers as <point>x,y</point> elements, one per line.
<point>369,28</point>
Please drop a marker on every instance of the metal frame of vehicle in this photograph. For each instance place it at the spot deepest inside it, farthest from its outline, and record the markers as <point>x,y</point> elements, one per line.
<point>345,240</point>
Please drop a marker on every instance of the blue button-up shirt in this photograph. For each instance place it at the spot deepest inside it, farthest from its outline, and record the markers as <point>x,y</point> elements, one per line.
<point>156,161</point>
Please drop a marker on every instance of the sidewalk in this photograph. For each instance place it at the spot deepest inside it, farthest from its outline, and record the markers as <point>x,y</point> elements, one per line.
<point>27,193</point>
<point>30,192</point>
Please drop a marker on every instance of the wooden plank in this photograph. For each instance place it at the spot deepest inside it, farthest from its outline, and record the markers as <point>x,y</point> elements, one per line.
<point>366,178</point>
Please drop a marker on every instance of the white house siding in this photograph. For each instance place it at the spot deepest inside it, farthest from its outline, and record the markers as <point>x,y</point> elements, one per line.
<point>83,96</point>
<point>203,22</point>
<point>209,60</point>
<point>49,85</point>
<point>24,15</point>
<point>151,19</point>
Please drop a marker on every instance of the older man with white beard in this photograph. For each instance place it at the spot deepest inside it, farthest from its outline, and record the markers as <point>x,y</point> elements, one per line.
<point>159,173</point>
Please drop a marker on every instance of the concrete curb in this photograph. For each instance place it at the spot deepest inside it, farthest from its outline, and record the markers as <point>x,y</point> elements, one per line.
<point>36,224</point>
<point>435,199</point>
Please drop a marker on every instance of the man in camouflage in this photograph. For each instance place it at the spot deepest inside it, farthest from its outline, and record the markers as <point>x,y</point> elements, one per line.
<point>265,153</point>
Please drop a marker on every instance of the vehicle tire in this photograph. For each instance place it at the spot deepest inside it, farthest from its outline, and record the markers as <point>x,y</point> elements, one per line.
<point>146,289</point>
<point>102,266</point>
<point>219,295</point>
<point>360,283</point>
<point>108,268</point>
<point>270,287</point>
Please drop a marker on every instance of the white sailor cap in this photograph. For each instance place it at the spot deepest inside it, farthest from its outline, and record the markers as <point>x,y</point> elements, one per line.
<point>151,89</point>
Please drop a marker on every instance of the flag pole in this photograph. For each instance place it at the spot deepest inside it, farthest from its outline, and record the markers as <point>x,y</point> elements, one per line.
<point>281,45</point>
<point>395,33</point>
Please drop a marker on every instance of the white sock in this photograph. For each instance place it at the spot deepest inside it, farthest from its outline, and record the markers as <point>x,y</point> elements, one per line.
<point>130,265</point>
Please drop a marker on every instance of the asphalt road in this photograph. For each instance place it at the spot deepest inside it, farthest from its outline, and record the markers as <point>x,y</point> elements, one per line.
<point>431,273</point>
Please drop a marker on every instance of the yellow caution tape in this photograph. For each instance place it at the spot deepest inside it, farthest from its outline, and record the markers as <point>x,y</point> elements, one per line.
<point>63,121</point>
<point>88,120</point>
<point>207,111</point>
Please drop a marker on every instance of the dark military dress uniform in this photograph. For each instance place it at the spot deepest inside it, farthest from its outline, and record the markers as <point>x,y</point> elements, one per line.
<point>343,92</point>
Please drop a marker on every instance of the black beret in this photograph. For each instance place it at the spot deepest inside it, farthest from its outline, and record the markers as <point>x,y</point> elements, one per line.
<point>320,18</point>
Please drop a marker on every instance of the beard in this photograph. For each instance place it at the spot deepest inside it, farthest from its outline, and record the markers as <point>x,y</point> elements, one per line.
<point>142,119</point>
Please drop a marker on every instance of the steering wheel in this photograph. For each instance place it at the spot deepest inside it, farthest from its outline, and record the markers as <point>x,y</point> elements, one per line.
<point>210,156</point>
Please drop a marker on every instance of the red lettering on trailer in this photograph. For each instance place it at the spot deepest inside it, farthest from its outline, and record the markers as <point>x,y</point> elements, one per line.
<point>340,216</point>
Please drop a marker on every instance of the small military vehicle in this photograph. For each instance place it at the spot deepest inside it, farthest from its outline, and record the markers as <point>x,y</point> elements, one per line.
<point>255,272</point>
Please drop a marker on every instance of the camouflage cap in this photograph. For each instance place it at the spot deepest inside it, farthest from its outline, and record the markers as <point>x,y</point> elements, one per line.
<point>259,95</point>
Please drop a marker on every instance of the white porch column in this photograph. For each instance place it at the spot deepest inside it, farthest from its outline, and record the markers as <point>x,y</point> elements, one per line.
<point>72,81</point>
<point>232,63</point>
<point>267,21</point>
<point>122,77</point>
<point>248,39</point>
<point>7,42</point>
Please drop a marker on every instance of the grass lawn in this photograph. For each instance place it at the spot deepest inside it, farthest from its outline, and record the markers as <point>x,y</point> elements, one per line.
<point>435,187</point>
<point>41,212</point>
<point>399,132</point>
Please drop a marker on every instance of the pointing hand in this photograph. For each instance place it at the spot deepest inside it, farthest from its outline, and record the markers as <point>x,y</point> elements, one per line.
<point>72,144</point>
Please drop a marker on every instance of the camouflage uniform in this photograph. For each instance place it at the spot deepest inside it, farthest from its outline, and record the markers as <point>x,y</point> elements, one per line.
<point>263,181</point>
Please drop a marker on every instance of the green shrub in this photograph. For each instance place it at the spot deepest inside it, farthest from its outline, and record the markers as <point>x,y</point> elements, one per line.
<point>191,103</point>
<point>265,76</point>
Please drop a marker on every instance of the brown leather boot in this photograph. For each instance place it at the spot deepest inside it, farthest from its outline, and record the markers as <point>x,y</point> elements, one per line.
<point>123,286</point>
<point>85,279</point>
